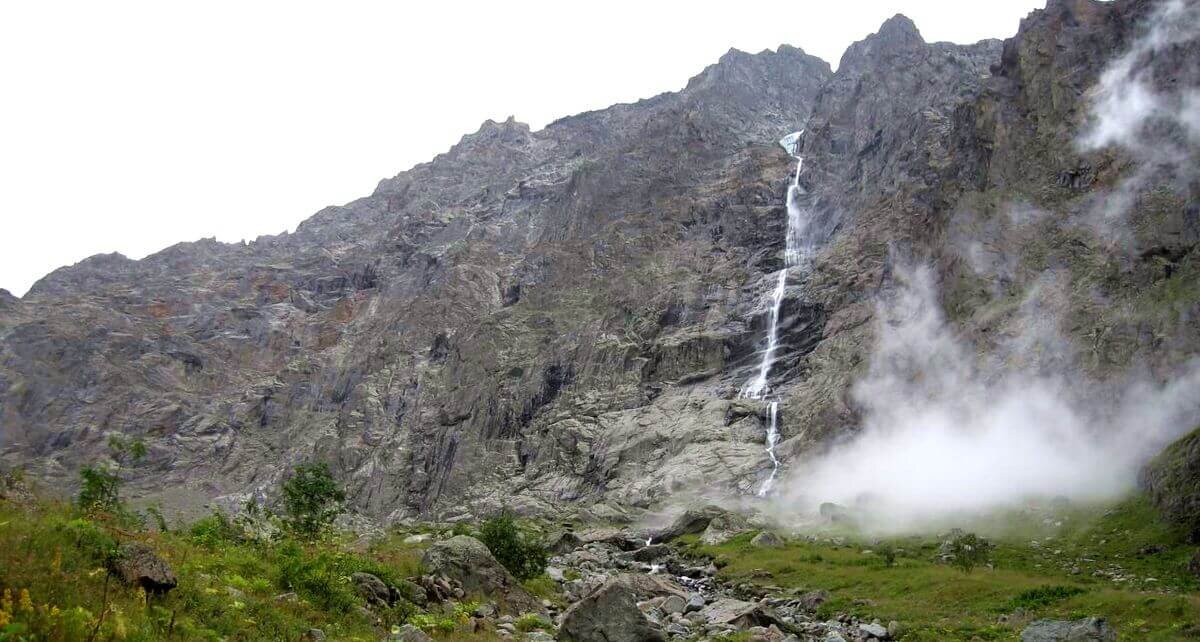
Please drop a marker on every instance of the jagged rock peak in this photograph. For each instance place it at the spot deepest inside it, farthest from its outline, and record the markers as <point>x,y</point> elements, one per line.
<point>735,63</point>
<point>896,35</point>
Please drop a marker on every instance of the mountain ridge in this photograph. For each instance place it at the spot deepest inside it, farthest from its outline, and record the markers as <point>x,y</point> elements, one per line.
<point>560,321</point>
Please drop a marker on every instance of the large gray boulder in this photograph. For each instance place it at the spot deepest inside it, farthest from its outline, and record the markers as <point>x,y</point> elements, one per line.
<point>609,614</point>
<point>1089,629</point>
<point>694,519</point>
<point>468,561</point>
<point>737,613</point>
<point>724,527</point>
<point>767,539</point>
<point>372,589</point>
<point>138,564</point>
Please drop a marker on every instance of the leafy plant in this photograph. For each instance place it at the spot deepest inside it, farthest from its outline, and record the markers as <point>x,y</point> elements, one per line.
<point>887,553</point>
<point>1043,596</point>
<point>311,499</point>
<point>100,489</point>
<point>520,552</point>
<point>968,550</point>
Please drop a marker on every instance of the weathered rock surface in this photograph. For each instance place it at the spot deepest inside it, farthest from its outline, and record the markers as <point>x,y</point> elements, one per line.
<point>767,539</point>
<point>609,614</point>
<point>559,321</point>
<point>1172,480</point>
<point>467,561</point>
<point>1086,630</point>
<point>138,564</point>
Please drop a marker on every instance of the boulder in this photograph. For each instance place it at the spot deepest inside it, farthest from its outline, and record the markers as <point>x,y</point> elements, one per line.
<point>647,586</point>
<point>313,635</point>
<point>372,589</point>
<point>724,527</point>
<point>609,614</point>
<point>409,633</point>
<point>694,519</point>
<point>673,604</point>
<point>813,600</point>
<point>1089,629</point>
<point>651,553</point>
<point>767,539</point>
<point>468,562</point>
<point>138,564</point>
<point>737,613</point>
<point>563,542</point>
<point>874,630</point>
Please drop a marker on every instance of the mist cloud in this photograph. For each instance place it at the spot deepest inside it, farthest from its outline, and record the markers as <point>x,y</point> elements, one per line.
<point>948,430</point>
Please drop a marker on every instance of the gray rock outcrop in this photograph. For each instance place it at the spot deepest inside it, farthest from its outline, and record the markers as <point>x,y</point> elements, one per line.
<point>1086,630</point>
<point>609,614</point>
<point>137,563</point>
<point>468,561</point>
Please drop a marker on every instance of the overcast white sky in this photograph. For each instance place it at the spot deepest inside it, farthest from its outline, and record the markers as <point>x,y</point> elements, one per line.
<point>130,126</point>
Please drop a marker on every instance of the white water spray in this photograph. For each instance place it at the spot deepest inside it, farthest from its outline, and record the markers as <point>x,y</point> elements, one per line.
<point>759,387</point>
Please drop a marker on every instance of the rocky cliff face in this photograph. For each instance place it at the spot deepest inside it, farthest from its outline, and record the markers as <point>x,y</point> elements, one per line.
<point>560,320</point>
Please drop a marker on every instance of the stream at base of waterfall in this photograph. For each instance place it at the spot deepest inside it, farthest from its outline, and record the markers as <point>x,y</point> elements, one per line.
<point>759,387</point>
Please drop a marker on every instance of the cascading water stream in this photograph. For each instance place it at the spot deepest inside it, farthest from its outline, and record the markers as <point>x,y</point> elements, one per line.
<point>758,387</point>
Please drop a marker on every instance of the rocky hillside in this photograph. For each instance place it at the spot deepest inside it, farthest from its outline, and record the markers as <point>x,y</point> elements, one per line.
<point>560,320</point>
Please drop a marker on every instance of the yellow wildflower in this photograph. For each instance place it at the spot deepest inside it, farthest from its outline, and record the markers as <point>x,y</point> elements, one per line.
<point>26,603</point>
<point>5,618</point>
<point>6,601</point>
<point>56,563</point>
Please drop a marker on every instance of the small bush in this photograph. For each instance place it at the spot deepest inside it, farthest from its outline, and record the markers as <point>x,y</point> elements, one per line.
<point>215,531</point>
<point>311,499</point>
<point>521,553</point>
<point>533,622</point>
<point>887,553</point>
<point>968,550</point>
<point>100,489</point>
<point>1043,596</point>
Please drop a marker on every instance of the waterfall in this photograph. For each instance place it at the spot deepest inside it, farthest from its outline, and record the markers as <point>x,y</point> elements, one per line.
<point>758,387</point>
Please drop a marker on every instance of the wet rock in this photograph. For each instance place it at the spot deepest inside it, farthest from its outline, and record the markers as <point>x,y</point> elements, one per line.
<point>409,633</point>
<point>737,613</point>
<point>874,630</point>
<point>673,604</point>
<point>469,562</point>
<point>724,527</point>
<point>652,553</point>
<point>563,542</point>
<point>813,600</point>
<point>694,519</point>
<point>609,614</point>
<point>372,589</point>
<point>767,539</point>
<point>138,564</point>
<point>313,635</point>
<point>1172,480</point>
<point>695,602</point>
<point>1086,630</point>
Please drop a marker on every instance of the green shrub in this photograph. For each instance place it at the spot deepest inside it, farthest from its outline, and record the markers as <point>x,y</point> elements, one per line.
<point>887,553</point>
<point>967,551</point>
<point>100,489</point>
<point>1043,596</point>
<point>533,622</point>
<point>215,531</point>
<point>311,499</point>
<point>521,553</point>
<point>318,577</point>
